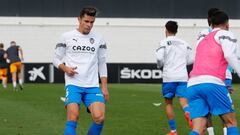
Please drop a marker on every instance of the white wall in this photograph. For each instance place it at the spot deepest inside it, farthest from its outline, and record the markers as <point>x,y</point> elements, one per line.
<point>128,40</point>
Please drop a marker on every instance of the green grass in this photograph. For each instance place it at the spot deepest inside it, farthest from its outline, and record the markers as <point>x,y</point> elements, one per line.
<point>38,111</point>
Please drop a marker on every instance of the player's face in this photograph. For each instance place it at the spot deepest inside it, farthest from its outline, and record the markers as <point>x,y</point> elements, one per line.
<point>227,26</point>
<point>86,23</point>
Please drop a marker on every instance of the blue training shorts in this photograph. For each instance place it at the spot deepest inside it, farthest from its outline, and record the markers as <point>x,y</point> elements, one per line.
<point>89,95</point>
<point>208,98</point>
<point>228,82</point>
<point>170,89</point>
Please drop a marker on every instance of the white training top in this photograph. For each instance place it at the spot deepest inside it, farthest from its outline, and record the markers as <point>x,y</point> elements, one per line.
<point>229,47</point>
<point>87,53</point>
<point>174,54</point>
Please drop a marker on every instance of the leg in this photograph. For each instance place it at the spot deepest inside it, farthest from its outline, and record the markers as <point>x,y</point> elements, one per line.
<point>4,81</point>
<point>72,117</point>
<point>170,115</point>
<point>169,91</point>
<point>184,104</point>
<point>20,80</point>
<point>73,100</point>
<point>169,108</point>
<point>3,77</point>
<point>199,126</point>
<point>210,125</point>
<point>222,105</point>
<point>14,80</point>
<point>230,121</point>
<point>199,107</point>
<point>97,110</point>
<point>19,70</point>
<point>13,70</point>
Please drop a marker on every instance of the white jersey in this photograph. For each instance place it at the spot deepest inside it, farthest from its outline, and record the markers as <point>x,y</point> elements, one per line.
<point>87,53</point>
<point>229,73</point>
<point>229,46</point>
<point>203,34</point>
<point>174,54</point>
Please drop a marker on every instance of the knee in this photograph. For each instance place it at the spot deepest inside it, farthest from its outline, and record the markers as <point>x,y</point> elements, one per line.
<point>230,122</point>
<point>98,118</point>
<point>73,115</point>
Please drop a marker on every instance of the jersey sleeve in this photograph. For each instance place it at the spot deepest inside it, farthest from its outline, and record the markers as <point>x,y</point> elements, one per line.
<point>102,56</point>
<point>190,55</point>
<point>60,52</point>
<point>202,34</point>
<point>160,53</point>
<point>229,47</point>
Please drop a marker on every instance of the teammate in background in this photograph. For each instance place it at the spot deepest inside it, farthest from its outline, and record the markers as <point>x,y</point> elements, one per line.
<point>3,65</point>
<point>228,81</point>
<point>85,60</point>
<point>174,54</point>
<point>15,56</point>
<point>207,92</point>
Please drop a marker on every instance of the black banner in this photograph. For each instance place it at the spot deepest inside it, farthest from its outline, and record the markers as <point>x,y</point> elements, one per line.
<point>117,73</point>
<point>139,73</point>
<point>37,73</point>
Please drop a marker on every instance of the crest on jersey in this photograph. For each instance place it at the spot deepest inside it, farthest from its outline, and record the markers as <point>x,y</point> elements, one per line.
<point>91,40</point>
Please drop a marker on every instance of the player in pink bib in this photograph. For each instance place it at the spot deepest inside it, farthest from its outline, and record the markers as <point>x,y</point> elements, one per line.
<point>207,92</point>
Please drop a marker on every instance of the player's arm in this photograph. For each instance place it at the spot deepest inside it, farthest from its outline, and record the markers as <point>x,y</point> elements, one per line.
<point>160,54</point>
<point>190,56</point>
<point>60,52</point>
<point>102,69</point>
<point>229,47</point>
<point>5,56</point>
<point>21,53</point>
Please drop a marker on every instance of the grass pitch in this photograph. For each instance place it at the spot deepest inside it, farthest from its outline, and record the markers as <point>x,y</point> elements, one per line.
<point>38,110</point>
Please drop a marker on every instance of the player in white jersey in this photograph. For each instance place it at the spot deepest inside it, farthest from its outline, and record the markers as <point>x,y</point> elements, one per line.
<point>173,54</point>
<point>84,54</point>
<point>207,92</point>
<point>228,80</point>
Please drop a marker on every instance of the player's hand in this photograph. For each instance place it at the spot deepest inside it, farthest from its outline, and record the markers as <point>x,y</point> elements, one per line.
<point>105,93</point>
<point>230,90</point>
<point>71,71</point>
<point>8,61</point>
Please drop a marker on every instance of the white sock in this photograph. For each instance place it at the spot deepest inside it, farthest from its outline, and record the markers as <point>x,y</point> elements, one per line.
<point>224,131</point>
<point>210,131</point>
<point>4,86</point>
<point>20,81</point>
<point>14,84</point>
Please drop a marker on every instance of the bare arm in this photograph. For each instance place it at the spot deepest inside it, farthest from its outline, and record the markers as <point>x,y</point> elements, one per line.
<point>21,53</point>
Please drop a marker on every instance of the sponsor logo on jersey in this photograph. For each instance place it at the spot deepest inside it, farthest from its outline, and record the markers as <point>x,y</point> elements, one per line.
<point>74,39</point>
<point>84,48</point>
<point>91,40</point>
<point>127,73</point>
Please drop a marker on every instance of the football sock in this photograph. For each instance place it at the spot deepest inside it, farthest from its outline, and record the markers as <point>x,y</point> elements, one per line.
<point>95,129</point>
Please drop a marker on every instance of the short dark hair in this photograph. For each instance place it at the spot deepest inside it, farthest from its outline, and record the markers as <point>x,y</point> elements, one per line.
<point>171,26</point>
<point>89,10</point>
<point>211,11</point>
<point>12,42</point>
<point>219,18</point>
<point>1,45</point>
